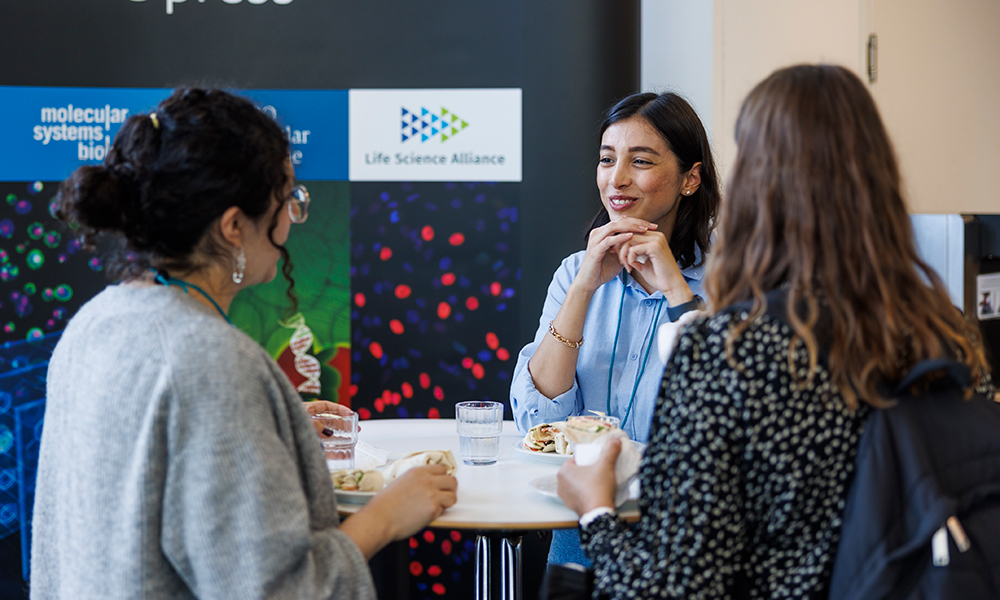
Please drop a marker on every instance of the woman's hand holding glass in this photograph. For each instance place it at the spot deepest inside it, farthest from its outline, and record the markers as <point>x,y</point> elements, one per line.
<point>317,407</point>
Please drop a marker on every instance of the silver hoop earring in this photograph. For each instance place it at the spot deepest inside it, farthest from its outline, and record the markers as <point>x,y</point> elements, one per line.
<point>239,265</point>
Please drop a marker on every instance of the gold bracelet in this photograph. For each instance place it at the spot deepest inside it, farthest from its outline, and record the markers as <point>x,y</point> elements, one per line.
<point>563,340</point>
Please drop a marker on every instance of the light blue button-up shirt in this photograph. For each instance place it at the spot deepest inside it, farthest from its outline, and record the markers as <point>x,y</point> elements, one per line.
<point>636,334</point>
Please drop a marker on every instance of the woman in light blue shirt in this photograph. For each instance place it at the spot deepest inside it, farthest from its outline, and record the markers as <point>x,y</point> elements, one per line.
<point>594,348</point>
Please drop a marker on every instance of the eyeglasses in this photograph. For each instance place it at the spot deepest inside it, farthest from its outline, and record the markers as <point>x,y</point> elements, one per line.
<point>298,204</point>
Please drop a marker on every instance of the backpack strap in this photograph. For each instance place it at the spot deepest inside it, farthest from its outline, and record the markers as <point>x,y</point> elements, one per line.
<point>956,373</point>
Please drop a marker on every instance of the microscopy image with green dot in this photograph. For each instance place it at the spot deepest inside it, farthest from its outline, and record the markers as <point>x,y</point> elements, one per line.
<point>45,274</point>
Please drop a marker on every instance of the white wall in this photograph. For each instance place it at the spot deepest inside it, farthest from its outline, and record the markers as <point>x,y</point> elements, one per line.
<point>938,86</point>
<point>677,52</point>
<point>941,243</point>
<point>938,90</point>
<point>755,37</point>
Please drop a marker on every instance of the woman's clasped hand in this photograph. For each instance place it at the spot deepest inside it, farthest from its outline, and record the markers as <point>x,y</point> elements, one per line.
<point>635,245</point>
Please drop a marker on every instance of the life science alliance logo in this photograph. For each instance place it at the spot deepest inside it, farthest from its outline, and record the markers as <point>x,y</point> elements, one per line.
<point>427,125</point>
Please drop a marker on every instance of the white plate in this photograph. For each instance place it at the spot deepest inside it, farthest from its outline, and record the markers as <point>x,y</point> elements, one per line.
<point>548,458</point>
<point>546,486</point>
<point>551,458</point>
<point>352,497</point>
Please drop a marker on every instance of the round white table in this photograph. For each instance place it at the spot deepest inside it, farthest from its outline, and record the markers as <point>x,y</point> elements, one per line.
<point>496,501</point>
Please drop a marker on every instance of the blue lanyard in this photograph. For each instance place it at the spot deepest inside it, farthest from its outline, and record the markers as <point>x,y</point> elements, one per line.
<point>614,347</point>
<point>184,285</point>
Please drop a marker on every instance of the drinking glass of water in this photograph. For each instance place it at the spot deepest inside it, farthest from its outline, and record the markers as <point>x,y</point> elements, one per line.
<point>479,425</point>
<point>339,435</point>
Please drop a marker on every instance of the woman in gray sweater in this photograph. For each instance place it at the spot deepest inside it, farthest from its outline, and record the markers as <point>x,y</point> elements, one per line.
<point>177,461</point>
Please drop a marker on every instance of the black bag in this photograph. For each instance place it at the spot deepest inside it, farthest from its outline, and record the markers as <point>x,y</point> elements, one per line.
<point>568,581</point>
<point>922,518</point>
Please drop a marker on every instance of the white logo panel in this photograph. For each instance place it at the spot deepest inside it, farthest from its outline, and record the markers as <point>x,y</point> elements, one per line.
<point>435,135</point>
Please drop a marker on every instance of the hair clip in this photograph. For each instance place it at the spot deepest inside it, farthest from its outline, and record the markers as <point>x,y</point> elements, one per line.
<point>156,121</point>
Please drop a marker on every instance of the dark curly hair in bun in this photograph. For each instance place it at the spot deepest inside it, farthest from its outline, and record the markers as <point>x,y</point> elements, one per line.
<point>168,177</point>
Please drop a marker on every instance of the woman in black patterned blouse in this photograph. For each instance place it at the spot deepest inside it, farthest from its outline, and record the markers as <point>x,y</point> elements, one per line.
<point>753,440</point>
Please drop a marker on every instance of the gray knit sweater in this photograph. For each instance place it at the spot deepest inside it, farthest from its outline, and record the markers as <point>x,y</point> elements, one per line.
<point>177,462</point>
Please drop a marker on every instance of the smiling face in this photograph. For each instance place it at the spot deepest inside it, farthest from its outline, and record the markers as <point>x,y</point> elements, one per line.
<point>638,175</point>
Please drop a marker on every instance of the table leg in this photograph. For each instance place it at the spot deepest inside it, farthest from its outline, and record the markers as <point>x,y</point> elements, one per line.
<point>510,561</point>
<point>483,568</point>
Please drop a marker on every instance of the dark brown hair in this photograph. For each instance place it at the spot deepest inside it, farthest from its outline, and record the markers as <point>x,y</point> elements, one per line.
<point>681,129</point>
<point>164,182</point>
<point>814,204</point>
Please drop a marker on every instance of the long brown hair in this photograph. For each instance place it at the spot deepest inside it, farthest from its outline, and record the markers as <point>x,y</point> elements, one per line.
<point>814,205</point>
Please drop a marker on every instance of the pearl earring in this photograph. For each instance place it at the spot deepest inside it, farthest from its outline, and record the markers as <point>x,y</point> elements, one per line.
<point>239,265</point>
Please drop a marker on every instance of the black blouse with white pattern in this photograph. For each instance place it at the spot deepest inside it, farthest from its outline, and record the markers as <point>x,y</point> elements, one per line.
<point>744,479</point>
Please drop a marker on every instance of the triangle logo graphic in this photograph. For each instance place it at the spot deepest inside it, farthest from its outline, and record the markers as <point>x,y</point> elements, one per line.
<point>414,122</point>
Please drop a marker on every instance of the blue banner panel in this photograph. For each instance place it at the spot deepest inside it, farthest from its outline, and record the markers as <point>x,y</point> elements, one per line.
<point>316,124</point>
<point>50,131</point>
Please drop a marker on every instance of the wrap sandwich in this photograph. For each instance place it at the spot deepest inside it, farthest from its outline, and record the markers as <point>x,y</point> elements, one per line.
<point>356,480</point>
<point>546,438</point>
<point>584,429</point>
<point>421,459</point>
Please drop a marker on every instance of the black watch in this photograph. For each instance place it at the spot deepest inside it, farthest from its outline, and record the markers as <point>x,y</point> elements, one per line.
<point>675,312</point>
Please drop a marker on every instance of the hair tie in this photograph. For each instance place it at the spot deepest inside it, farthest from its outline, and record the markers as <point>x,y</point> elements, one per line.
<point>156,122</point>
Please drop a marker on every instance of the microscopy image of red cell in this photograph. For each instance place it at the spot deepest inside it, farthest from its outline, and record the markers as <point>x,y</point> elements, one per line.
<point>502,354</point>
<point>403,291</point>
<point>444,310</point>
<point>359,300</point>
<point>396,326</point>
<point>385,253</point>
<point>472,303</point>
<point>496,288</point>
<point>448,279</point>
<point>456,239</point>
<point>427,233</point>
<point>492,341</point>
<point>376,349</point>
